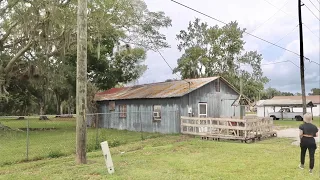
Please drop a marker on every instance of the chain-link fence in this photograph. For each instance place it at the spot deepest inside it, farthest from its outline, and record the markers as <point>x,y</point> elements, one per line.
<point>29,138</point>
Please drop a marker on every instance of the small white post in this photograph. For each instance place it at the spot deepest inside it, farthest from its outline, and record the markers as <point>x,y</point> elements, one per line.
<point>107,156</point>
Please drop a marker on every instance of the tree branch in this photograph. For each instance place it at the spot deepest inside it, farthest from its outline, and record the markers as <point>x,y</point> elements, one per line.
<point>9,6</point>
<point>8,33</point>
<point>16,57</point>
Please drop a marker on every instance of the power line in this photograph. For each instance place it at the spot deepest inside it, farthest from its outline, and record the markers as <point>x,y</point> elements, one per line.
<point>164,59</point>
<point>270,17</point>
<point>311,31</point>
<point>278,62</point>
<point>280,9</point>
<point>281,38</point>
<point>226,23</point>
<point>311,11</point>
<point>314,5</point>
<point>314,62</point>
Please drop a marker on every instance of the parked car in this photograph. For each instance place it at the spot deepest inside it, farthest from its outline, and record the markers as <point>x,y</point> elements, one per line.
<point>285,113</point>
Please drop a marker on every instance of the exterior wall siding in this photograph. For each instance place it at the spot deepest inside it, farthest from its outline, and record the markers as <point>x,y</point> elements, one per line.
<point>218,103</point>
<point>140,115</point>
<point>139,112</point>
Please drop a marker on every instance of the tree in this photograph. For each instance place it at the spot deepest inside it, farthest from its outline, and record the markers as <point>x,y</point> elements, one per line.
<point>315,91</point>
<point>269,93</point>
<point>214,51</point>
<point>119,34</point>
<point>287,94</point>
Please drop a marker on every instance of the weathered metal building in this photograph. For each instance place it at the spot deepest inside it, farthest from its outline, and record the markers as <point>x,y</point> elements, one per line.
<point>158,107</point>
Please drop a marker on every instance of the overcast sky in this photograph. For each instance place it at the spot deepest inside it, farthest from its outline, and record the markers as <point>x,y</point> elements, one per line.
<point>250,14</point>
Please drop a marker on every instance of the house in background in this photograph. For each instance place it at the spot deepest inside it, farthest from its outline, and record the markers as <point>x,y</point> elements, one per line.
<point>314,98</point>
<point>264,110</point>
<point>158,107</point>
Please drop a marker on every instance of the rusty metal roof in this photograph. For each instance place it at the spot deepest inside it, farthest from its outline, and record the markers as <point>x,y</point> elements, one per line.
<point>155,90</point>
<point>314,98</point>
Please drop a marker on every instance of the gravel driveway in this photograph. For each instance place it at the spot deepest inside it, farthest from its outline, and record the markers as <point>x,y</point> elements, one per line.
<point>294,134</point>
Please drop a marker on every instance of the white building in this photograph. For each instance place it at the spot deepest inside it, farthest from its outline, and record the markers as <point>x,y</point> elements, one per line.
<point>294,102</point>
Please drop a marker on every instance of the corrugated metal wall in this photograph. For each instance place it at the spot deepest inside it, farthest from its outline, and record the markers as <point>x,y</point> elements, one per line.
<point>218,103</point>
<point>139,112</point>
<point>140,115</point>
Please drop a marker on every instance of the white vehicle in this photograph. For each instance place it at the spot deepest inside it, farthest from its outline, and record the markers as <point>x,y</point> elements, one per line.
<point>285,113</point>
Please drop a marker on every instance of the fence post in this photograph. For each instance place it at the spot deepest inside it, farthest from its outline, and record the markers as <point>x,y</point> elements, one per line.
<point>27,153</point>
<point>97,130</point>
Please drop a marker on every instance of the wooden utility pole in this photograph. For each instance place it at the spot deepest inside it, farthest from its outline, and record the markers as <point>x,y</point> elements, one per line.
<point>81,99</point>
<point>303,88</point>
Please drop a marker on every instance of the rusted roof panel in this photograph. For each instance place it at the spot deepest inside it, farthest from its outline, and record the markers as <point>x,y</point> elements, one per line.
<point>314,98</point>
<point>155,90</point>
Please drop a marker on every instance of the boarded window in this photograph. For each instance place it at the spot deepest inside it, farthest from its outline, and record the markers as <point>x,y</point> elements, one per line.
<point>217,85</point>
<point>123,111</point>
<point>112,105</point>
<point>156,112</point>
<point>203,110</point>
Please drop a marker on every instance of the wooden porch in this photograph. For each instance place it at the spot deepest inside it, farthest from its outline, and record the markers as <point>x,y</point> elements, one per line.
<point>248,128</point>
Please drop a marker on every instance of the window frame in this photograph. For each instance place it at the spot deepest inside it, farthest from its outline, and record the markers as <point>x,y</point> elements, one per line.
<point>112,105</point>
<point>202,103</point>
<point>122,110</point>
<point>155,110</point>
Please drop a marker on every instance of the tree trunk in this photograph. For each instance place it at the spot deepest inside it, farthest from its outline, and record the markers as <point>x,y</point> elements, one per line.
<point>61,108</point>
<point>41,106</point>
<point>58,107</point>
<point>81,95</point>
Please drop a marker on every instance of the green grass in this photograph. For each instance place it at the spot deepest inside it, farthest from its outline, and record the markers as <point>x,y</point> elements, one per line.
<point>177,157</point>
<point>156,157</point>
<point>289,123</point>
<point>54,143</point>
<point>294,123</point>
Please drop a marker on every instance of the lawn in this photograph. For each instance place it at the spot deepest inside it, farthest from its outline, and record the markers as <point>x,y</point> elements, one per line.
<point>176,157</point>
<point>289,123</point>
<point>293,123</point>
<point>152,157</point>
<point>54,143</point>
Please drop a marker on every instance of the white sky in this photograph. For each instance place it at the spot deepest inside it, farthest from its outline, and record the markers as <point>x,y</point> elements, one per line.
<point>249,14</point>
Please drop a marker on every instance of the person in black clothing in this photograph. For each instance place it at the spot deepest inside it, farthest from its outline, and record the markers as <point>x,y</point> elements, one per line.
<point>307,133</point>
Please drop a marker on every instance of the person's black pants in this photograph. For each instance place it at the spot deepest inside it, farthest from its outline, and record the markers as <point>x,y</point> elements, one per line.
<point>310,144</point>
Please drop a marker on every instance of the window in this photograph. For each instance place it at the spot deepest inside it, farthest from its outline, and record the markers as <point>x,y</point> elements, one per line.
<point>156,112</point>
<point>123,110</point>
<point>203,110</point>
<point>217,85</point>
<point>112,105</point>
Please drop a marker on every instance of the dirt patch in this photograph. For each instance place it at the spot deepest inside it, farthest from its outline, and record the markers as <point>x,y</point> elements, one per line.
<point>292,133</point>
<point>38,129</point>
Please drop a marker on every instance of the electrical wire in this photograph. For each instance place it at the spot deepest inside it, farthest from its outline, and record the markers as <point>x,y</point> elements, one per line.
<point>311,31</point>
<point>270,17</point>
<point>280,9</point>
<point>226,23</point>
<point>278,62</point>
<point>157,50</point>
<point>314,5</point>
<point>311,12</point>
<point>290,16</point>
<point>281,38</point>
